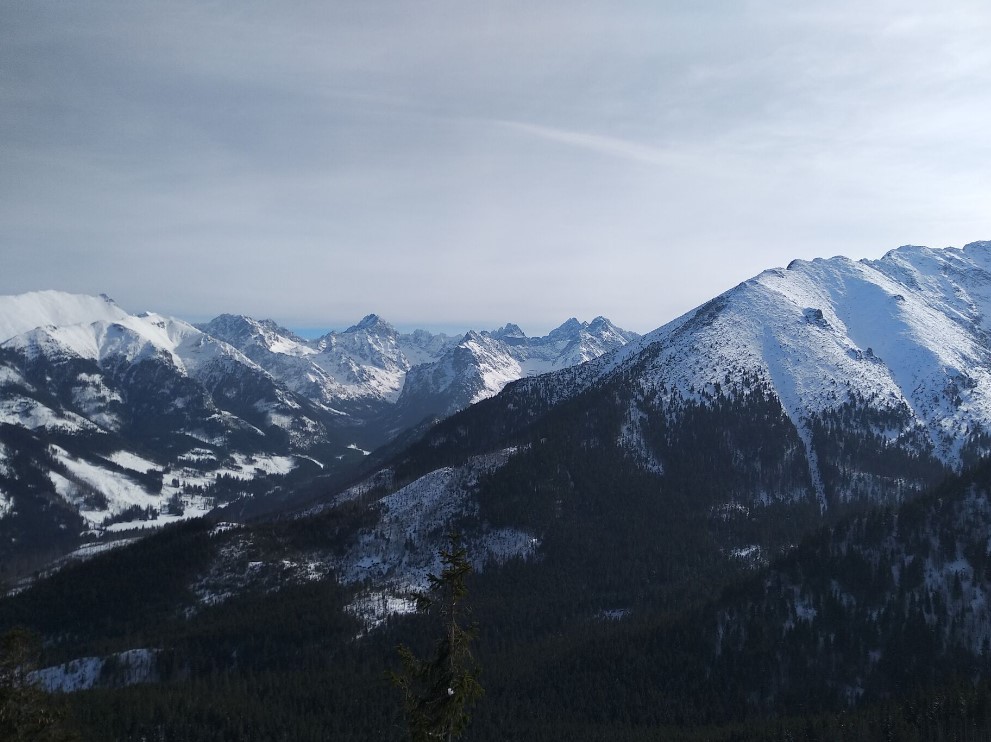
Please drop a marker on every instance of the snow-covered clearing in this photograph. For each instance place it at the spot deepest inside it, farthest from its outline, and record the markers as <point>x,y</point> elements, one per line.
<point>124,668</point>
<point>120,491</point>
<point>29,413</point>
<point>132,461</point>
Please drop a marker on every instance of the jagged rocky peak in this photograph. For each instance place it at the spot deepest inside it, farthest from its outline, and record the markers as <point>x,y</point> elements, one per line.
<point>474,342</point>
<point>274,327</point>
<point>600,323</point>
<point>372,324</point>
<point>244,323</point>
<point>508,331</point>
<point>229,324</point>
<point>569,329</point>
<point>603,328</point>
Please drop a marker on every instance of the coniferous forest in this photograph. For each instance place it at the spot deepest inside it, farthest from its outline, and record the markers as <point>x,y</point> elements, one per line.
<point>638,619</point>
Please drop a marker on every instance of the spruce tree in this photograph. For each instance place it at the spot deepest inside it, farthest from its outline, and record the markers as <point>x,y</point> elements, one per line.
<point>438,691</point>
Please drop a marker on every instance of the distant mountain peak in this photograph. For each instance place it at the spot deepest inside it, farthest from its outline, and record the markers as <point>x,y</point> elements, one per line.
<point>600,323</point>
<point>370,322</point>
<point>509,330</point>
<point>568,328</point>
<point>272,326</point>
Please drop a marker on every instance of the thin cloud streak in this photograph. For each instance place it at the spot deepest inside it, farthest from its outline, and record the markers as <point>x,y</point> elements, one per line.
<point>597,143</point>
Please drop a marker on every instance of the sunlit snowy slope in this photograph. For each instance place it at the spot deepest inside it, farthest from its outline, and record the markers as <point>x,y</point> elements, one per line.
<point>898,348</point>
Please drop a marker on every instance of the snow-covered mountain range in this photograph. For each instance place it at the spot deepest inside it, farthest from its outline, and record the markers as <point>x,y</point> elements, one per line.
<point>139,418</point>
<point>344,372</point>
<point>824,386</point>
<point>371,367</point>
<point>860,380</point>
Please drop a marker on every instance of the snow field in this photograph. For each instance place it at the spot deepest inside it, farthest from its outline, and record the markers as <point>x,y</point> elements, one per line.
<point>121,492</point>
<point>31,414</point>
<point>128,668</point>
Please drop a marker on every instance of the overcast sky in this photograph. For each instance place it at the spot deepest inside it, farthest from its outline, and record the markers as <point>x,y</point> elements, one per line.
<point>466,164</point>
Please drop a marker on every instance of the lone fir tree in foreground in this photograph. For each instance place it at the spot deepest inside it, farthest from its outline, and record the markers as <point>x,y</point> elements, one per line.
<point>438,691</point>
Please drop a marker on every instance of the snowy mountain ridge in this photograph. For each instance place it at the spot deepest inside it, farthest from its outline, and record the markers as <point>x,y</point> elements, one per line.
<point>370,365</point>
<point>111,420</point>
<point>135,420</point>
<point>908,332</point>
<point>908,335</point>
<point>24,312</point>
<point>364,363</point>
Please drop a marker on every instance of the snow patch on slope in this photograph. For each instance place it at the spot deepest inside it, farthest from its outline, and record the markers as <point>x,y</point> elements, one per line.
<point>117,670</point>
<point>631,438</point>
<point>132,461</point>
<point>29,413</point>
<point>6,500</point>
<point>120,491</point>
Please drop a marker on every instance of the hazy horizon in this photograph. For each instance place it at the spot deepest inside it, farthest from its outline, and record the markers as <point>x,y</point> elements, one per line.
<point>465,166</point>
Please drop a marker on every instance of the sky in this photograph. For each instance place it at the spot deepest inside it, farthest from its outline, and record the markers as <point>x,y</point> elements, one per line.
<point>452,164</point>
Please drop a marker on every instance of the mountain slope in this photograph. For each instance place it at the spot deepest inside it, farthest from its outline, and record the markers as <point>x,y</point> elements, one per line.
<point>111,420</point>
<point>888,356</point>
<point>879,605</point>
<point>795,397</point>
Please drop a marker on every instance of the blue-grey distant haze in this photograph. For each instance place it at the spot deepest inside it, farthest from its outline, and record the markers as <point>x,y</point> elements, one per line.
<point>467,164</point>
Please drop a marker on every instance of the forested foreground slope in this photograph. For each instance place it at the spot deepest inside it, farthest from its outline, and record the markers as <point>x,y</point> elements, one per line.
<point>878,622</point>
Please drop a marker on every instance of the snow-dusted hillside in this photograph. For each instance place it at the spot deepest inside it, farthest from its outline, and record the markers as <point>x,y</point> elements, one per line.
<point>908,332</point>
<point>116,343</point>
